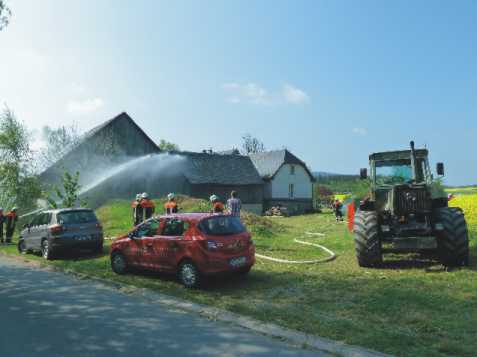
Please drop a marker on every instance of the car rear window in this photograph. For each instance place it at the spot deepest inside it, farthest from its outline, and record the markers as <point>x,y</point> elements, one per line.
<point>222,226</point>
<point>72,217</point>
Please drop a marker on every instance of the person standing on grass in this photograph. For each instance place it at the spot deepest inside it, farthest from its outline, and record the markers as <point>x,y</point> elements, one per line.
<point>148,206</point>
<point>217,206</point>
<point>171,204</point>
<point>337,206</point>
<point>234,205</point>
<point>12,219</point>
<point>138,211</point>
<point>2,220</point>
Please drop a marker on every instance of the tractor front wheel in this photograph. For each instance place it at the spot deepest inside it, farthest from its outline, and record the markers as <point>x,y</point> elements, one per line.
<point>366,239</point>
<point>453,243</point>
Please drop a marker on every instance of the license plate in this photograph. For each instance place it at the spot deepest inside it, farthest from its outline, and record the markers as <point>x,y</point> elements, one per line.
<point>237,262</point>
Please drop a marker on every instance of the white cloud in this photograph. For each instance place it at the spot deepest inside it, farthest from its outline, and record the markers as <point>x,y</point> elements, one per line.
<point>86,106</point>
<point>294,95</point>
<point>249,92</point>
<point>359,131</point>
<point>254,93</point>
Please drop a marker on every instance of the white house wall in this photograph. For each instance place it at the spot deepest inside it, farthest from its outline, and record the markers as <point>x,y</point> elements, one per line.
<point>301,181</point>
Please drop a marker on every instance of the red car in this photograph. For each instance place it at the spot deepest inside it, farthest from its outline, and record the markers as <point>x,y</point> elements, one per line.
<point>192,245</point>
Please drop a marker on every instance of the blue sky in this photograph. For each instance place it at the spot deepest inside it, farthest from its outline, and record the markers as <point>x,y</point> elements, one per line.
<point>330,80</point>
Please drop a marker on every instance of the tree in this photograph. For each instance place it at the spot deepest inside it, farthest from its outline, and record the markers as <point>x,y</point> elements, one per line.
<point>68,194</point>
<point>58,142</point>
<point>18,183</point>
<point>5,14</point>
<point>251,145</point>
<point>168,146</point>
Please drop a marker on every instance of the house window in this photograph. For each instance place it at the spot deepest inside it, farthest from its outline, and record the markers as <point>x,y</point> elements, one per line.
<point>291,190</point>
<point>292,170</point>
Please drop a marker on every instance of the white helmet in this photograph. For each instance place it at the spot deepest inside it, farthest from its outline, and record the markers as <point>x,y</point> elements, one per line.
<point>145,195</point>
<point>171,196</point>
<point>138,197</point>
<point>213,198</point>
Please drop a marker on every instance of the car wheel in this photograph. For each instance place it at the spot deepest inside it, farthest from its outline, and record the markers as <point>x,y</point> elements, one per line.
<point>189,275</point>
<point>22,246</point>
<point>119,264</point>
<point>46,251</point>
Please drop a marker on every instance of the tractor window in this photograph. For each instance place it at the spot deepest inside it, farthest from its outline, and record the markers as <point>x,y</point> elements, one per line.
<point>398,172</point>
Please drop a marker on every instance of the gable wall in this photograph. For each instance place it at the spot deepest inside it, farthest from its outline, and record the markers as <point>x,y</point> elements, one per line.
<point>301,180</point>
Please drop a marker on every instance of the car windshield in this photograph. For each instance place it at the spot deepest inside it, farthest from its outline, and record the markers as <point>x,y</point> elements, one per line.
<point>71,217</point>
<point>222,226</point>
<point>396,172</point>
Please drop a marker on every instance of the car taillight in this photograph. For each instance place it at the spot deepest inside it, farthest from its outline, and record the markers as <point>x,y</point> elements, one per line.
<point>56,229</point>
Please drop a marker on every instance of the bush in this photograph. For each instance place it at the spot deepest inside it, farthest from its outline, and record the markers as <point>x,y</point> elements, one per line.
<point>261,225</point>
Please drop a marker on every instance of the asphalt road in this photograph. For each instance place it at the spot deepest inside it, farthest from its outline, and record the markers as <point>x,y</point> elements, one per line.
<point>50,314</point>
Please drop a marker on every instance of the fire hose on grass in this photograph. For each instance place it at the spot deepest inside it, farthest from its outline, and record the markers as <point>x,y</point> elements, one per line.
<point>332,255</point>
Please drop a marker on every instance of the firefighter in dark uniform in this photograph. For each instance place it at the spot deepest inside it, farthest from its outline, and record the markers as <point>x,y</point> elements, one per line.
<point>2,219</point>
<point>12,219</point>
<point>138,211</point>
<point>337,206</point>
<point>148,206</point>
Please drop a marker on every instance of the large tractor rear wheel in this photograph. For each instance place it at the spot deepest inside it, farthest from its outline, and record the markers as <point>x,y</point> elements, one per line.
<point>453,243</point>
<point>366,239</point>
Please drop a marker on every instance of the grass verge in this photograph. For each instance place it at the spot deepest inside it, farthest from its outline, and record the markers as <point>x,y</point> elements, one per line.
<point>408,307</point>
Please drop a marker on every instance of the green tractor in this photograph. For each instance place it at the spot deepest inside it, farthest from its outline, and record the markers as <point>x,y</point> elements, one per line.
<point>407,211</point>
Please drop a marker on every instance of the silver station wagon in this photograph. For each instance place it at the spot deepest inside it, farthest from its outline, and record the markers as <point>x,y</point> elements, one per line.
<point>62,230</point>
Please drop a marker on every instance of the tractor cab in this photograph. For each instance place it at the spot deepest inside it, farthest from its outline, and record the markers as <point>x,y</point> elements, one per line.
<point>406,211</point>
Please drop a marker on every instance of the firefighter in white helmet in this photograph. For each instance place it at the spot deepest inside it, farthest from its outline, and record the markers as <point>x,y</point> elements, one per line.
<point>171,204</point>
<point>148,206</point>
<point>217,205</point>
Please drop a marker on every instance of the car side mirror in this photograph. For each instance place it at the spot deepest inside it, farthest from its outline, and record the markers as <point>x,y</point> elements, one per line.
<point>440,168</point>
<point>363,173</point>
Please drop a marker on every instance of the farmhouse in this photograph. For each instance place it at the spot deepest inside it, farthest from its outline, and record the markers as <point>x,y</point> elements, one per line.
<point>288,181</point>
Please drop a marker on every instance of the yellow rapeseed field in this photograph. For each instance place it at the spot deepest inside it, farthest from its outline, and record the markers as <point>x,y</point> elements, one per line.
<point>469,204</point>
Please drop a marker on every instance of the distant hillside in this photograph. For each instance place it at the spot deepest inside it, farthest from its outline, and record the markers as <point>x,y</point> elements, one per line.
<point>323,174</point>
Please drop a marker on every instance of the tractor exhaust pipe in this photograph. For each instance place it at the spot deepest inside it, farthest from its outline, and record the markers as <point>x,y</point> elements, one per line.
<point>413,161</point>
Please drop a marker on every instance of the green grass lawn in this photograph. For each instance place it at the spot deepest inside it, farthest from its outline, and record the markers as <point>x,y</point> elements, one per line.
<point>408,307</point>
